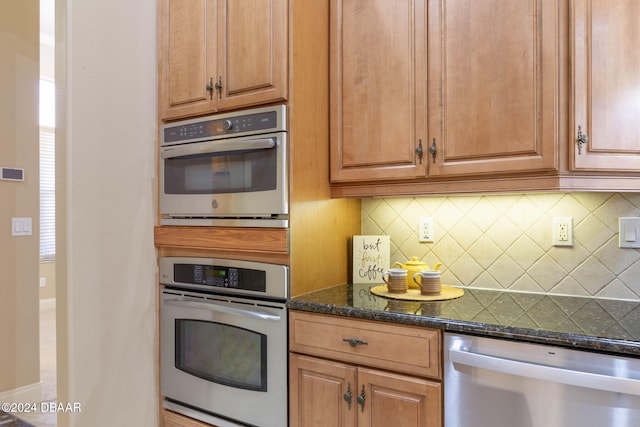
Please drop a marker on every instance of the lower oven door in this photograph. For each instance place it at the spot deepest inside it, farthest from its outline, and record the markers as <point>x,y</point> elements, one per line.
<point>225,358</point>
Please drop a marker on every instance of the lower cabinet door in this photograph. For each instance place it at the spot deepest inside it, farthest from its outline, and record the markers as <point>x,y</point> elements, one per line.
<point>389,399</point>
<point>322,393</point>
<point>325,393</point>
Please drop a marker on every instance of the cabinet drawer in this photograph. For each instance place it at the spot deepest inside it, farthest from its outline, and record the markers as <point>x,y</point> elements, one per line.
<point>398,348</point>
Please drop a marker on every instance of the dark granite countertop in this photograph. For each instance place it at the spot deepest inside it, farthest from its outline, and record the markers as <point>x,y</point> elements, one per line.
<point>603,325</point>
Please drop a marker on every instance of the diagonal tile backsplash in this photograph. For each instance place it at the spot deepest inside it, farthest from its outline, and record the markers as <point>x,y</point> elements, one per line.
<point>505,241</point>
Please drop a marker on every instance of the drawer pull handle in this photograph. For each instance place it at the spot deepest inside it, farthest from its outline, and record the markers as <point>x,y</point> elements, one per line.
<point>354,342</point>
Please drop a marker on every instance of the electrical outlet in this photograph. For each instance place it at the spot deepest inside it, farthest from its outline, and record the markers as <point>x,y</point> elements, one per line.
<point>563,231</point>
<point>425,229</point>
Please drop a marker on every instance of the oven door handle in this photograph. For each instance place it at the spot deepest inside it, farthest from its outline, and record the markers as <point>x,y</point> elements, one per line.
<point>222,309</point>
<point>217,147</point>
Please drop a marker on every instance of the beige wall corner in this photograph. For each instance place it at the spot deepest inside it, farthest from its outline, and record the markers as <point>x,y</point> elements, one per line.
<point>19,256</point>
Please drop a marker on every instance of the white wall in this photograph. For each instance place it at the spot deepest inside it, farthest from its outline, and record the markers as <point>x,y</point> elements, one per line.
<point>106,279</point>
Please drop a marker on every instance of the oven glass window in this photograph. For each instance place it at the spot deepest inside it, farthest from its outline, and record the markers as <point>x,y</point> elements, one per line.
<point>220,173</point>
<point>222,353</point>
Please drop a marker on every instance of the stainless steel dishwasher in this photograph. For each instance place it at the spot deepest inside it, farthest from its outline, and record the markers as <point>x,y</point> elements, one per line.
<point>497,383</point>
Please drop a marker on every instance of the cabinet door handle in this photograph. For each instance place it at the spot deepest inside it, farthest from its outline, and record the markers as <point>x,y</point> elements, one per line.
<point>347,396</point>
<point>209,88</point>
<point>362,398</point>
<point>219,86</point>
<point>419,150</point>
<point>354,342</point>
<point>583,138</point>
<point>433,149</point>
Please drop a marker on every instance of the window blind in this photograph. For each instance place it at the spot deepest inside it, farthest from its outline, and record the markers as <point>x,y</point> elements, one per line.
<point>47,195</point>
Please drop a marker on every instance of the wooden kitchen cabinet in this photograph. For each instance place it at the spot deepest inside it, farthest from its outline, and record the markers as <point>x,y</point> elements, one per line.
<point>377,89</point>
<point>347,372</point>
<point>329,393</point>
<point>312,209</point>
<point>492,90</point>
<point>493,94</point>
<point>605,42</point>
<point>415,98</point>
<point>217,55</point>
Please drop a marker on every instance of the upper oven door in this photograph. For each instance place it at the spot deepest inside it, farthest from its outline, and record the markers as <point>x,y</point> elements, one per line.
<point>234,178</point>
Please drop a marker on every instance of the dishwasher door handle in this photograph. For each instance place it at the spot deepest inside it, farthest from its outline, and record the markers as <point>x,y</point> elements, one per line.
<point>546,373</point>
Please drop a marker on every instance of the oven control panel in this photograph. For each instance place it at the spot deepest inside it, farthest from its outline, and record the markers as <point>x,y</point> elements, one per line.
<point>219,276</point>
<point>212,276</point>
<point>247,122</point>
<point>226,276</point>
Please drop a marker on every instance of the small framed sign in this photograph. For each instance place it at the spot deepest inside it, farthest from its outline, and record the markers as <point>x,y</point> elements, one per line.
<point>370,258</point>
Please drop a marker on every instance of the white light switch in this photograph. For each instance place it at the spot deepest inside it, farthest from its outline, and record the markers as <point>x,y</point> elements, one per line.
<point>21,227</point>
<point>629,232</point>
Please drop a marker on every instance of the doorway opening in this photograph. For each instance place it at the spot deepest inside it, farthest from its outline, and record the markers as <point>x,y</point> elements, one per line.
<point>47,269</point>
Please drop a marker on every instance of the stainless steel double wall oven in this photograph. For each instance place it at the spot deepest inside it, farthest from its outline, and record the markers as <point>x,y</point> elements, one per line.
<point>223,326</point>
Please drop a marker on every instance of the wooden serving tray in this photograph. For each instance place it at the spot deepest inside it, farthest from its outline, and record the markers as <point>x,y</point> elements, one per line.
<point>446,293</point>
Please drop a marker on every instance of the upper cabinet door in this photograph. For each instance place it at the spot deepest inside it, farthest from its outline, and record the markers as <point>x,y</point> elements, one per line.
<point>493,86</point>
<point>377,84</point>
<point>606,85</point>
<point>252,52</point>
<point>220,54</point>
<point>186,56</point>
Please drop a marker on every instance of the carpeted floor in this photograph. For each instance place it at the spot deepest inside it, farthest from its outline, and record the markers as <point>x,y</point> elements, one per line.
<point>8,420</point>
<point>47,371</point>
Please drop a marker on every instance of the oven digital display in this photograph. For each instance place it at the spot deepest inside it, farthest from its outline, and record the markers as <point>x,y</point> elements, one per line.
<point>213,272</point>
